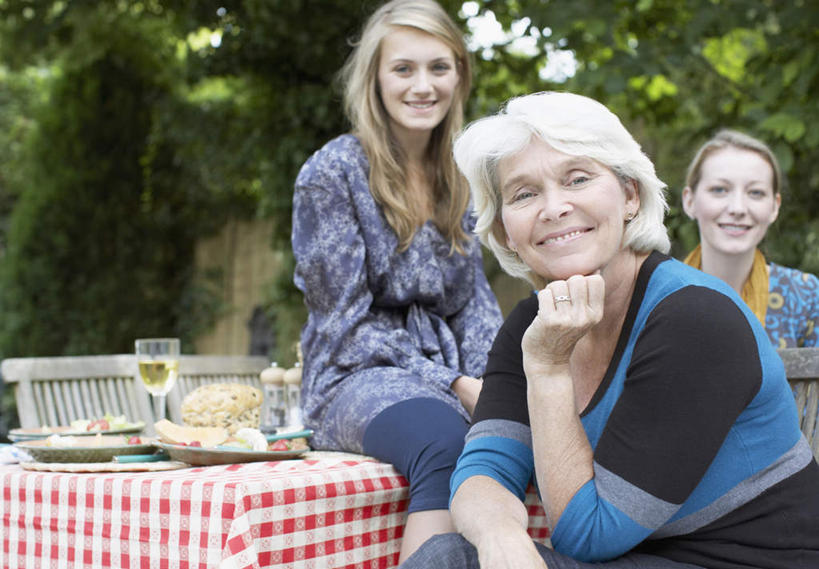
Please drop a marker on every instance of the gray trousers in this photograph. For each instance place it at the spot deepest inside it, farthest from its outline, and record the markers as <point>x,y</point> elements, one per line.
<point>452,551</point>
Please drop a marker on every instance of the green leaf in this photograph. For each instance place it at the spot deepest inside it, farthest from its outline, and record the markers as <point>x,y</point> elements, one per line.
<point>790,71</point>
<point>789,127</point>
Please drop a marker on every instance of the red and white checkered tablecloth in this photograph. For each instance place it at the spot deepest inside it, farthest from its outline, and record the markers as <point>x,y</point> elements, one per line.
<point>329,512</point>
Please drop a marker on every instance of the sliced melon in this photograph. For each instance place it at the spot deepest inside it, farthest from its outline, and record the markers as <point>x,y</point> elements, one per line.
<point>177,434</point>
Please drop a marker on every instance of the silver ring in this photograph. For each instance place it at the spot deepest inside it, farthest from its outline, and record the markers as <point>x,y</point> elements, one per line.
<point>563,298</point>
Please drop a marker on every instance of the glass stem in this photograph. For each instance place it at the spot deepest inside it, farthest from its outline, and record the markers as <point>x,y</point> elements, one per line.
<point>159,407</point>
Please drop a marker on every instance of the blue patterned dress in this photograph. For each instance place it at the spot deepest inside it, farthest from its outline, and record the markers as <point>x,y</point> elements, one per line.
<point>383,327</point>
<point>793,308</point>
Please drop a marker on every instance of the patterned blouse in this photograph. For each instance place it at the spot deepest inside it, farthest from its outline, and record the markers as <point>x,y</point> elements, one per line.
<point>383,326</point>
<point>793,308</point>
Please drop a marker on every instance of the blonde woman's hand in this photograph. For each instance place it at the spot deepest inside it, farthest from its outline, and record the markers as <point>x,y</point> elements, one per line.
<point>467,389</point>
<point>566,311</point>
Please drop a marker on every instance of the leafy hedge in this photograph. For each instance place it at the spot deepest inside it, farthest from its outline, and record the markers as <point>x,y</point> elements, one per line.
<point>131,129</point>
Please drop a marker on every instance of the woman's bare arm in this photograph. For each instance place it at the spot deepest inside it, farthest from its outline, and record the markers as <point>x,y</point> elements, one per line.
<point>494,521</point>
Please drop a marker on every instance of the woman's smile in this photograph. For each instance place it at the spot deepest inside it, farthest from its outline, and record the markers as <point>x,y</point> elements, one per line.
<point>563,237</point>
<point>735,229</point>
<point>421,105</point>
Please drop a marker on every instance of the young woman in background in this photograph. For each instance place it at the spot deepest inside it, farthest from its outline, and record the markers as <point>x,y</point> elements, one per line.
<point>733,191</point>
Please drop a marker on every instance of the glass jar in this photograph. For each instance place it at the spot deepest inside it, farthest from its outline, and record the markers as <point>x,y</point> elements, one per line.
<point>274,404</point>
<point>292,385</point>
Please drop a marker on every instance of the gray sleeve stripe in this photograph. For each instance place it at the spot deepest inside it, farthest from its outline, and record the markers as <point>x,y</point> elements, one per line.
<point>642,507</point>
<point>788,464</point>
<point>501,428</point>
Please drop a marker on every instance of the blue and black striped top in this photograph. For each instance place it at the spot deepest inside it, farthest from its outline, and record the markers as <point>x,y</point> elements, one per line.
<point>698,456</point>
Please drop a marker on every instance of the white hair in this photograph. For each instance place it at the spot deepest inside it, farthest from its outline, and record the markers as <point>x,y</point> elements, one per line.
<point>572,124</point>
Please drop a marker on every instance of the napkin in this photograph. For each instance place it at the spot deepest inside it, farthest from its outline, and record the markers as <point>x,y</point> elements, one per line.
<point>10,454</point>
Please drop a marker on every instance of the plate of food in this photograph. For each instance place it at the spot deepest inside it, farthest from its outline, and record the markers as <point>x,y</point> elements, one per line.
<point>209,456</point>
<point>99,448</point>
<point>107,424</point>
<point>207,446</point>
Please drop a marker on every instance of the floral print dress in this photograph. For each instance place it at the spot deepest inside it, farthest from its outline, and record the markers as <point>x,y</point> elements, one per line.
<point>793,308</point>
<point>383,326</point>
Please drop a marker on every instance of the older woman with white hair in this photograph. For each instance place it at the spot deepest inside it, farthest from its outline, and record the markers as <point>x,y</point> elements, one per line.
<point>641,395</point>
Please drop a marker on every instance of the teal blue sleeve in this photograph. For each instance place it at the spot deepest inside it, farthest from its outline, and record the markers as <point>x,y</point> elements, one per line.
<point>507,461</point>
<point>606,531</point>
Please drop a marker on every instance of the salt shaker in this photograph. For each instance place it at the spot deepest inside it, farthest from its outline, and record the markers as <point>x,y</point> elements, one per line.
<point>292,385</point>
<point>275,398</point>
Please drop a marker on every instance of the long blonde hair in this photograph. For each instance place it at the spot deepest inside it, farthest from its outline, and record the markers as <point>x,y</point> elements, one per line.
<point>370,122</point>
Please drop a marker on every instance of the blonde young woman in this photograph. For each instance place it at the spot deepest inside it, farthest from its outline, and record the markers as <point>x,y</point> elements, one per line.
<point>400,313</point>
<point>733,191</point>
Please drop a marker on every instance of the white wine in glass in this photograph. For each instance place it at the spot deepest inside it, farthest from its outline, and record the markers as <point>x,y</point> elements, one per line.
<point>158,363</point>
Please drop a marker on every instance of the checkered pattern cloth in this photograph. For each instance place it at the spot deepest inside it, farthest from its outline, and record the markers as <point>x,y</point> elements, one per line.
<point>299,514</point>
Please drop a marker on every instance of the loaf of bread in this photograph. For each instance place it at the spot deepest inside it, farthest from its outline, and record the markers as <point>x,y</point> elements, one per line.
<point>229,405</point>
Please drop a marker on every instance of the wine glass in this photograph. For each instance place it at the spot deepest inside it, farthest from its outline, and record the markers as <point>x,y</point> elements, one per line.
<point>158,362</point>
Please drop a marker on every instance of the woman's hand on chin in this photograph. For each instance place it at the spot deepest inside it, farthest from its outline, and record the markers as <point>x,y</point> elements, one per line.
<point>566,311</point>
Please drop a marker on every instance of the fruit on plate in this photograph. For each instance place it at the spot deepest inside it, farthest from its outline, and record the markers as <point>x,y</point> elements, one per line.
<point>172,433</point>
<point>246,439</point>
<point>253,439</point>
<point>105,423</point>
<point>299,443</point>
<point>101,424</point>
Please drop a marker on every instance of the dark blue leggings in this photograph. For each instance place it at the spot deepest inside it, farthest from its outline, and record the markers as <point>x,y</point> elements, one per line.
<point>423,439</point>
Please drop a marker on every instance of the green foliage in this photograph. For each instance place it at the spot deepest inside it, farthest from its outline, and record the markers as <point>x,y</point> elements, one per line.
<point>284,76</point>
<point>19,92</point>
<point>100,242</point>
<point>286,309</point>
<point>289,110</point>
<point>130,129</point>
<point>154,134</point>
<point>676,72</point>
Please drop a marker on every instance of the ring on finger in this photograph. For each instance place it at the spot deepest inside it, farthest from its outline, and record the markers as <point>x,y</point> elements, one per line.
<point>563,298</point>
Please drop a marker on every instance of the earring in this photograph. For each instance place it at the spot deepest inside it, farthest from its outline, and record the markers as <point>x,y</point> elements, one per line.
<point>629,216</point>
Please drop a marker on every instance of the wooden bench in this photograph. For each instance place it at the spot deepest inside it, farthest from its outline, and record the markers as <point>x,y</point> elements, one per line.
<point>802,370</point>
<point>58,390</point>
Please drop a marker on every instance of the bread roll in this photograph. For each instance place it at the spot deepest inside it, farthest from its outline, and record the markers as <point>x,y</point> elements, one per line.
<point>229,405</point>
